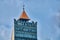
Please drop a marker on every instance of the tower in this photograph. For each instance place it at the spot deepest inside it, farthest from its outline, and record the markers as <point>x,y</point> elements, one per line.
<point>23,29</point>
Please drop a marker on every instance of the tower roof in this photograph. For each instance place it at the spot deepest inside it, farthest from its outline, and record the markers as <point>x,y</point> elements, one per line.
<point>24,15</point>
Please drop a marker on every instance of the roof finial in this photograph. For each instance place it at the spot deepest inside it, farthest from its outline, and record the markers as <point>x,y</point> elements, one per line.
<point>23,7</point>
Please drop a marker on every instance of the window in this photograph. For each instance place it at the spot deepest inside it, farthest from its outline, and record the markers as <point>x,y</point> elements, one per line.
<point>33,30</point>
<point>25,29</point>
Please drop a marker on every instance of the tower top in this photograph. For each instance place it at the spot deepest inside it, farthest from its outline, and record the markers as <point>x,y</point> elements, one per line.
<point>24,15</point>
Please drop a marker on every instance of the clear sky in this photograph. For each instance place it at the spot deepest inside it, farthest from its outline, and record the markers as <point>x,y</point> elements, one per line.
<point>45,12</point>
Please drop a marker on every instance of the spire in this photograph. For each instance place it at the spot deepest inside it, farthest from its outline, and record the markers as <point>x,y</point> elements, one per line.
<point>24,15</point>
<point>23,7</point>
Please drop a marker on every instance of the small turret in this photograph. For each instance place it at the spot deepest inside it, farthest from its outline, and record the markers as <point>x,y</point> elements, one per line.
<point>24,15</point>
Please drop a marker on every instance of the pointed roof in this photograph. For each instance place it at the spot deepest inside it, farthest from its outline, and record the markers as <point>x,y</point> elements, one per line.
<point>24,15</point>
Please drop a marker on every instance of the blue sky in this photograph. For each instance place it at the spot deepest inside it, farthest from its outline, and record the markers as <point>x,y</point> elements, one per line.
<point>45,12</point>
